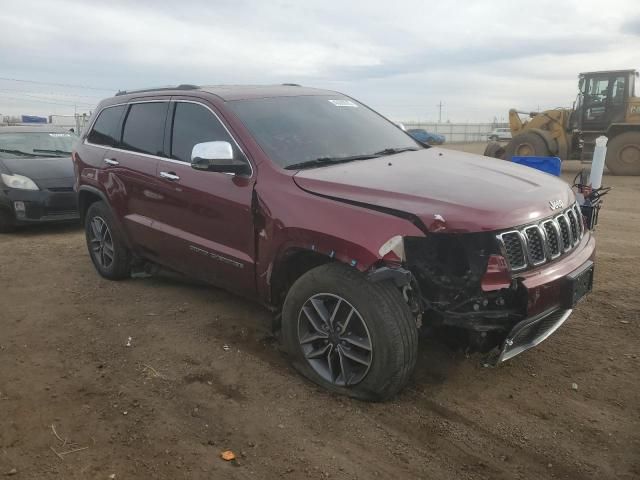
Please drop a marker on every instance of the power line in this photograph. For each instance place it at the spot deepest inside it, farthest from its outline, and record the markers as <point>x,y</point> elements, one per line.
<point>57,94</point>
<point>58,84</point>
<point>61,101</point>
<point>34,99</point>
<point>48,99</point>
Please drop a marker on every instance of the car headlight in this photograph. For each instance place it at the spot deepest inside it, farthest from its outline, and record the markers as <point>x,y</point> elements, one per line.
<point>19,181</point>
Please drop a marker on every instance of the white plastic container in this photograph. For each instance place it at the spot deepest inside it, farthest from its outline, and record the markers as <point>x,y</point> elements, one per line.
<point>597,164</point>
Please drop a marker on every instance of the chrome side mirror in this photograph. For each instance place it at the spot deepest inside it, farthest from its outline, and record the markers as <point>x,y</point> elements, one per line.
<point>216,157</point>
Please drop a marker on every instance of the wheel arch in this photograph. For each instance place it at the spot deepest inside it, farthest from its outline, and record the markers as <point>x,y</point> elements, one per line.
<point>291,265</point>
<point>616,129</point>
<point>88,195</point>
<point>296,258</point>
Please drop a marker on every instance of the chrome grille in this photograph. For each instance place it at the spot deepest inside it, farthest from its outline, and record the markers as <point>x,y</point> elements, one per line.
<point>576,209</point>
<point>514,246</point>
<point>535,244</point>
<point>565,232</point>
<point>573,223</point>
<point>553,238</point>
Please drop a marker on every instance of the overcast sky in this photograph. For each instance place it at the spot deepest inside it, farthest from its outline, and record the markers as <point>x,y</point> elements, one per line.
<point>402,58</point>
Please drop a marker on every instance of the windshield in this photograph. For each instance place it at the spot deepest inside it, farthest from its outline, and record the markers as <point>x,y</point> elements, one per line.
<point>295,130</point>
<point>36,144</point>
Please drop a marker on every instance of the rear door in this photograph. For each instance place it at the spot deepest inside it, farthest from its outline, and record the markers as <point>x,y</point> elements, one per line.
<point>206,218</point>
<point>131,167</point>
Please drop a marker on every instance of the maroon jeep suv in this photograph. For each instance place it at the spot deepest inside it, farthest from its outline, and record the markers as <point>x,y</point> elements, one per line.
<point>355,235</point>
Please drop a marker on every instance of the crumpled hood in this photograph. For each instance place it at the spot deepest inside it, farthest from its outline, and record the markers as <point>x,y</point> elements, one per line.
<point>469,192</point>
<point>39,168</point>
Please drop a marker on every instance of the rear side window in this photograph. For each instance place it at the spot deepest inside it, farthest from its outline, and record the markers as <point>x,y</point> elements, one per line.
<point>144,128</point>
<point>106,129</point>
<point>193,124</point>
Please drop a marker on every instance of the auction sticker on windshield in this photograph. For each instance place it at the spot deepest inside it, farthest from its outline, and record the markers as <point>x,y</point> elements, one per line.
<point>343,103</point>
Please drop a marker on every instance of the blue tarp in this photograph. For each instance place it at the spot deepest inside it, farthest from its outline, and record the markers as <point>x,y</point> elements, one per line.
<point>33,119</point>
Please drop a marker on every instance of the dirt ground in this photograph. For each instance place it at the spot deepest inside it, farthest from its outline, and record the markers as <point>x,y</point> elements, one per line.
<point>153,378</point>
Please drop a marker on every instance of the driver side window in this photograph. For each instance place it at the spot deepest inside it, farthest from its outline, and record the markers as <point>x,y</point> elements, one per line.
<point>618,91</point>
<point>193,124</point>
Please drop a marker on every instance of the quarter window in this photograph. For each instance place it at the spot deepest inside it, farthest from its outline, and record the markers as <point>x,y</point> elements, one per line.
<point>106,130</point>
<point>193,124</point>
<point>144,128</point>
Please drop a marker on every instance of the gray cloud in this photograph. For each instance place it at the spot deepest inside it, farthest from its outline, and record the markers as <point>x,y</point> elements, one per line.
<point>480,58</point>
<point>632,26</point>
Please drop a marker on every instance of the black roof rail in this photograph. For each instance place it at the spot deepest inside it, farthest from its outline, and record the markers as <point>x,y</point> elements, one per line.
<point>183,86</point>
<point>291,85</point>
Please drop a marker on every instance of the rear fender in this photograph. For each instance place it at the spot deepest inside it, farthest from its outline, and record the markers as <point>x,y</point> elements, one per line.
<point>87,195</point>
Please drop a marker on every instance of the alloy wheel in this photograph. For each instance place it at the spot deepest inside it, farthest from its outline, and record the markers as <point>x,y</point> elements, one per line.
<point>334,339</point>
<point>101,242</point>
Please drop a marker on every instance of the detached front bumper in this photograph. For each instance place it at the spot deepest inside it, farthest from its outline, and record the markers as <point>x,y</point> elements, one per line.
<point>531,331</point>
<point>41,206</point>
<point>552,294</point>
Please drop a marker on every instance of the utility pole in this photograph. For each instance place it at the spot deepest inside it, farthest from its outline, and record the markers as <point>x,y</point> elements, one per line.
<point>440,105</point>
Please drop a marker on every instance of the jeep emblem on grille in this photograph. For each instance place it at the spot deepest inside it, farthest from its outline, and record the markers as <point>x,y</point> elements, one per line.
<point>556,204</point>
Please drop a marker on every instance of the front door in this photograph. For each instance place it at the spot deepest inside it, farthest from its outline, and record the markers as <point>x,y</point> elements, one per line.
<point>605,97</point>
<point>206,217</point>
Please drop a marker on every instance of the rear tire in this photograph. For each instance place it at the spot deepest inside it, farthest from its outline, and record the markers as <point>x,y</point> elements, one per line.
<point>623,154</point>
<point>379,328</point>
<point>527,145</point>
<point>107,249</point>
<point>7,224</point>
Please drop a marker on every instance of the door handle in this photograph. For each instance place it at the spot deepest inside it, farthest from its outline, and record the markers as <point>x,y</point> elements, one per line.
<point>110,161</point>
<point>170,176</point>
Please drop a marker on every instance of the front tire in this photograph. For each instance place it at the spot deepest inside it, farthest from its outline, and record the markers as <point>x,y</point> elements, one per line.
<point>527,145</point>
<point>349,335</point>
<point>623,154</point>
<point>107,249</point>
<point>494,150</point>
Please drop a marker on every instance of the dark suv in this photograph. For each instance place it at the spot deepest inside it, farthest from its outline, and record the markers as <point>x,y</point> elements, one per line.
<point>355,235</point>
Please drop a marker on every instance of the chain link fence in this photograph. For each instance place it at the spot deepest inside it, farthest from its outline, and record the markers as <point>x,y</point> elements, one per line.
<point>458,132</point>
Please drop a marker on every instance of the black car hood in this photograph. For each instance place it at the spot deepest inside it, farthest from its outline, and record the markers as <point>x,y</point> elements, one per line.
<point>39,169</point>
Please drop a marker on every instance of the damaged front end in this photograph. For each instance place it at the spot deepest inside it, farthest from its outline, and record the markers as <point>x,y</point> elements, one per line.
<point>459,283</point>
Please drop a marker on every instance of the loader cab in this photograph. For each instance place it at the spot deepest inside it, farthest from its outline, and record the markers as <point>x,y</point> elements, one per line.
<point>602,99</point>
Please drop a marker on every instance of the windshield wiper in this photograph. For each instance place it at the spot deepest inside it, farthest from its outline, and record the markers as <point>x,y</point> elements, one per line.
<point>18,152</point>
<point>317,162</point>
<point>393,151</point>
<point>59,152</point>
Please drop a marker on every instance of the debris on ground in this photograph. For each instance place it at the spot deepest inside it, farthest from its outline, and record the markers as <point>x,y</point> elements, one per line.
<point>11,472</point>
<point>129,342</point>
<point>228,455</point>
<point>574,386</point>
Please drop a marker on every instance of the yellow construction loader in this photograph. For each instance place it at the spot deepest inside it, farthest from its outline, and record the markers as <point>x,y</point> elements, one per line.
<point>606,105</point>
